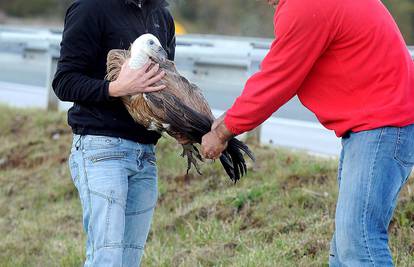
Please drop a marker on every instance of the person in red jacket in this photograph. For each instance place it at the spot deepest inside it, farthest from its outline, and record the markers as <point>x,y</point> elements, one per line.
<point>347,62</point>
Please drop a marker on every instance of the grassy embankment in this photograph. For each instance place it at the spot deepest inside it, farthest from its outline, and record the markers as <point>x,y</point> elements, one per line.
<point>280,215</point>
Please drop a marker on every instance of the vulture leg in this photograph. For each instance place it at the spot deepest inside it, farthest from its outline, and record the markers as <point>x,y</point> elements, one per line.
<point>193,155</point>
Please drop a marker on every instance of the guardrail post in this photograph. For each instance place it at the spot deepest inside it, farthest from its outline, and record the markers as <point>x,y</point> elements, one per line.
<point>254,136</point>
<point>52,100</point>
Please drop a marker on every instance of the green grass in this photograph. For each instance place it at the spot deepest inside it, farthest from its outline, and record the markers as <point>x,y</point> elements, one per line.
<point>281,214</point>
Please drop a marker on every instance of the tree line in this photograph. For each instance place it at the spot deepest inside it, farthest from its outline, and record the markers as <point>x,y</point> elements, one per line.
<point>230,17</point>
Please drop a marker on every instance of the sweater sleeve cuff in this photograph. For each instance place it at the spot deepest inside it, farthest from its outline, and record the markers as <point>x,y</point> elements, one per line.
<point>106,91</point>
<point>232,127</point>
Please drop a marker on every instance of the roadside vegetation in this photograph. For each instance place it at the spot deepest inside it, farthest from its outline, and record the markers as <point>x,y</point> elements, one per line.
<point>281,214</point>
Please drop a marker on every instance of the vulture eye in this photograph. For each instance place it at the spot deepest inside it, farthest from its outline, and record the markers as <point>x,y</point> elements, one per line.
<point>151,42</point>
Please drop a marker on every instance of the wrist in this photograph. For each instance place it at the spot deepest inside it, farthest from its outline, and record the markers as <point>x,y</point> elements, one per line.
<point>114,89</point>
<point>223,133</point>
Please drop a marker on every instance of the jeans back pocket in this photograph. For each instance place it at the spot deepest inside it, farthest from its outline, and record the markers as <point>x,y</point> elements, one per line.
<point>404,152</point>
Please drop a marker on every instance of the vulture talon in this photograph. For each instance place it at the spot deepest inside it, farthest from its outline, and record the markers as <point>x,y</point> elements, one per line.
<point>188,164</point>
<point>190,150</point>
<point>184,152</point>
<point>197,153</point>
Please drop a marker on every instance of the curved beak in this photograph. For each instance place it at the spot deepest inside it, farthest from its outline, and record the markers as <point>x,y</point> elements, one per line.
<point>160,54</point>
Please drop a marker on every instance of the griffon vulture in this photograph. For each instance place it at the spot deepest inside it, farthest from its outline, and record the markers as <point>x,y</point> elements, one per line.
<point>180,109</point>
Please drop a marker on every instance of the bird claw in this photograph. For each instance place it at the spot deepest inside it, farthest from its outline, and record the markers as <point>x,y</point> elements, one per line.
<point>192,154</point>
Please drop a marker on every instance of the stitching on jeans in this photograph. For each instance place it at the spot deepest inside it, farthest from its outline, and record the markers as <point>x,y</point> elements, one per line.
<point>111,198</point>
<point>404,181</point>
<point>139,212</point>
<point>391,209</point>
<point>88,192</point>
<point>104,156</point>
<point>120,245</point>
<point>341,166</point>
<point>397,146</point>
<point>107,220</point>
<point>402,162</point>
<point>366,204</point>
<point>74,169</point>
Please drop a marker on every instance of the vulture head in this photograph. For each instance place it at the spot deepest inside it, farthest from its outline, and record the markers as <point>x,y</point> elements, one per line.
<point>146,47</point>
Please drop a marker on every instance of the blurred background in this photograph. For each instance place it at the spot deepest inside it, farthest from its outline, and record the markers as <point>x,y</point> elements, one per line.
<point>248,17</point>
<point>220,44</point>
<point>281,214</point>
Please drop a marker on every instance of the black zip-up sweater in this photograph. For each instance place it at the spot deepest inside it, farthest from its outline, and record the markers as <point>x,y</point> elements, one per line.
<point>92,29</point>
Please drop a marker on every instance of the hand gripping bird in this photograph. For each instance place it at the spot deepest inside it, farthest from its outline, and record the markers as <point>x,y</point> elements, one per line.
<point>180,109</point>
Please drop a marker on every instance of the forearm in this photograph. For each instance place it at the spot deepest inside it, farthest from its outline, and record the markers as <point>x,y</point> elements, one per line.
<point>75,87</point>
<point>302,35</point>
<point>222,132</point>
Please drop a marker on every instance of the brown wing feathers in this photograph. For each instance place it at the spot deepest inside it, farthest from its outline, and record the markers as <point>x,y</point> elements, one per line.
<point>136,105</point>
<point>195,125</point>
<point>115,60</point>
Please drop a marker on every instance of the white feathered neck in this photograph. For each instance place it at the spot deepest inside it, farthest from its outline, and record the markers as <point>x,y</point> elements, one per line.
<point>141,50</point>
<point>138,58</point>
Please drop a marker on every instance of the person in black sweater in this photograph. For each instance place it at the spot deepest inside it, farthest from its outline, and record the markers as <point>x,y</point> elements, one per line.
<point>112,159</point>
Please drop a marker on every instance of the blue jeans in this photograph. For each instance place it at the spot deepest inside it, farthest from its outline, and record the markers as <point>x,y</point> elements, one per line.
<point>117,184</point>
<point>374,166</point>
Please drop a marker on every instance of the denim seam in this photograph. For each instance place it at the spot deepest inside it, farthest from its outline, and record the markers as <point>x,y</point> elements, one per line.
<point>100,142</point>
<point>103,156</point>
<point>88,192</point>
<point>111,198</point>
<point>107,220</point>
<point>120,245</point>
<point>140,212</point>
<point>403,163</point>
<point>396,197</point>
<point>392,207</point>
<point>140,166</point>
<point>74,168</point>
<point>397,146</point>
<point>340,166</point>
<point>366,204</point>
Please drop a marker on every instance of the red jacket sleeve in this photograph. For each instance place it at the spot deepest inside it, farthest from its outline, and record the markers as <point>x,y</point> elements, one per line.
<point>301,36</point>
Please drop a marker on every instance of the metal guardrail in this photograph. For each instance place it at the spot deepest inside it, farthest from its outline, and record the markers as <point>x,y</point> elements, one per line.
<point>194,53</point>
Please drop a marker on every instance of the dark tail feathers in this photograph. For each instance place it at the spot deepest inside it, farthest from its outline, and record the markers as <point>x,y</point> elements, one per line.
<point>194,125</point>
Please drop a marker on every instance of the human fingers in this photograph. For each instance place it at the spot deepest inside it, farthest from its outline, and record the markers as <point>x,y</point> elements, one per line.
<point>209,146</point>
<point>141,72</point>
<point>151,72</point>
<point>125,65</point>
<point>154,88</point>
<point>155,79</point>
